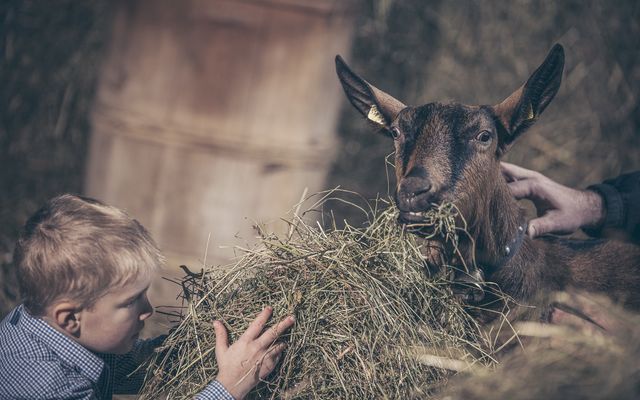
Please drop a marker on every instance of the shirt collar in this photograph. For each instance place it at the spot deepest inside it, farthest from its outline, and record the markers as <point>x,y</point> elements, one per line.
<point>69,351</point>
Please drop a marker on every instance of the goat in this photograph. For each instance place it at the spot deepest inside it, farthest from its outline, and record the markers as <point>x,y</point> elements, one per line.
<point>451,153</point>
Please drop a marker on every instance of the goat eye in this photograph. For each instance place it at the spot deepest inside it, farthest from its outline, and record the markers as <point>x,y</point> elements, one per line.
<point>484,137</point>
<point>395,132</point>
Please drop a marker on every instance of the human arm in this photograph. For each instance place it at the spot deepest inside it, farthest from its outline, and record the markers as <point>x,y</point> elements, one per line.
<point>251,358</point>
<point>615,203</point>
<point>560,209</point>
<point>622,200</point>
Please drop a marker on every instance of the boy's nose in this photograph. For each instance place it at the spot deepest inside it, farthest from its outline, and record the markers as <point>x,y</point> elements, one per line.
<point>147,309</point>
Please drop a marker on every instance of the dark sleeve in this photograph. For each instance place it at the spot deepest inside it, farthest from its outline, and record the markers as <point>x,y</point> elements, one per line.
<point>622,201</point>
<point>128,379</point>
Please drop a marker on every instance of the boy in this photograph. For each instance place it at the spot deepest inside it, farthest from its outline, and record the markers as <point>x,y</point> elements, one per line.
<point>84,269</point>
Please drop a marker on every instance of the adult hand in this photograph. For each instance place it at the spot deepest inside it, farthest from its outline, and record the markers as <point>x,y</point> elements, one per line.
<point>560,209</point>
<point>252,357</point>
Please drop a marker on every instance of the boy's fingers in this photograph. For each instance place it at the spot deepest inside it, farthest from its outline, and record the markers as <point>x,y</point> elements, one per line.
<point>271,358</point>
<point>254,329</point>
<point>222,339</point>
<point>272,334</point>
<point>275,350</point>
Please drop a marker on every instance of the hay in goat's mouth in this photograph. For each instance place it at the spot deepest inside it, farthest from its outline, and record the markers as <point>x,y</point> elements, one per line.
<point>368,317</point>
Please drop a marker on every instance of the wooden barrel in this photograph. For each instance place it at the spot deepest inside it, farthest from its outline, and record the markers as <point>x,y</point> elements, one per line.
<point>215,114</point>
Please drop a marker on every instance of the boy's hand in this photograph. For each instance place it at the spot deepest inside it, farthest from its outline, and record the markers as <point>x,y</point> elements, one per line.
<point>252,357</point>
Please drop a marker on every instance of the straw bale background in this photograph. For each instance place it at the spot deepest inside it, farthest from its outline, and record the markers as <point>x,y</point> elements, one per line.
<point>49,61</point>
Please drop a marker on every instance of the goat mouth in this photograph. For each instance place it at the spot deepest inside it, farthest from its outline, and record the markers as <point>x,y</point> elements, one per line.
<point>416,223</point>
<point>411,217</point>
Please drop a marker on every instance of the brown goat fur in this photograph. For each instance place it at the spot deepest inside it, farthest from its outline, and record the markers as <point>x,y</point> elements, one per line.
<point>452,152</point>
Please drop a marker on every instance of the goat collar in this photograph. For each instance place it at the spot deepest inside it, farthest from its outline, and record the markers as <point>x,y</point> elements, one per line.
<point>513,246</point>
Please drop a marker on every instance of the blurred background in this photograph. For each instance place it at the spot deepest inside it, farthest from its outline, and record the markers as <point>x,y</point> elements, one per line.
<point>204,117</point>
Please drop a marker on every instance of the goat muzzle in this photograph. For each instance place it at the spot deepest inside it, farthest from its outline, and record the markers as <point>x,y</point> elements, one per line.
<point>414,196</point>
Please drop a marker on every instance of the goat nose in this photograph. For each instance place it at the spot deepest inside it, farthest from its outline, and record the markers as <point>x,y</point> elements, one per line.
<point>414,195</point>
<point>417,182</point>
<point>425,188</point>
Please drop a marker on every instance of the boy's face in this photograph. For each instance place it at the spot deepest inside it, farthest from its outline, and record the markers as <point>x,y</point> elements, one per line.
<point>114,323</point>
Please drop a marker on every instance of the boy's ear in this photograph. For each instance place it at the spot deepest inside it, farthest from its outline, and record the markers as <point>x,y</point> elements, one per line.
<point>520,110</point>
<point>66,316</point>
<point>373,103</point>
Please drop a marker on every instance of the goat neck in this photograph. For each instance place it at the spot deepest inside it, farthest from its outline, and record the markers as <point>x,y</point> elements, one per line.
<point>497,225</point>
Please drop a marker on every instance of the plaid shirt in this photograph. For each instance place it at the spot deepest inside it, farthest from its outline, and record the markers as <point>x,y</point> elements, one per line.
<point>38,362</point>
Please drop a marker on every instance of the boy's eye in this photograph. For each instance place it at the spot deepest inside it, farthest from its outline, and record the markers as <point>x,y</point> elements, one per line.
<point>132,302</point>
<point>129,303</point>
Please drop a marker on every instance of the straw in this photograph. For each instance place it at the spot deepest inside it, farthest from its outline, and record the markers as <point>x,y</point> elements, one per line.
<point>368,314</point>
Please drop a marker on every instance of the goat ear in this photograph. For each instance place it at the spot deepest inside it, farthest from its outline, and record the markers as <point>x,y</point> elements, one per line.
<point>520,110</point>
<point>373,103</point>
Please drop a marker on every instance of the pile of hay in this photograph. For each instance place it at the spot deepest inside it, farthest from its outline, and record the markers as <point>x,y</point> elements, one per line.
<point>571,360</point>
<point>368,317</point>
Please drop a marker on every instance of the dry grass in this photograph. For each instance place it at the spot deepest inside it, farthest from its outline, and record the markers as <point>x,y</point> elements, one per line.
<point>368,315</point>
<point>574,360</point>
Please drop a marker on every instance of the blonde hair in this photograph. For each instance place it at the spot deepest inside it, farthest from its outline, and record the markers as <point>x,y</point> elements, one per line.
<point>78,248</point>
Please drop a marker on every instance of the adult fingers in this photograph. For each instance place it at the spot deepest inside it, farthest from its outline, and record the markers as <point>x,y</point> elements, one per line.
<point>272,334</point>
<point>257,325</point>
<point>548,223</point>
<point>516,172</point>
<point>521,189</point>
<point>222,339</point>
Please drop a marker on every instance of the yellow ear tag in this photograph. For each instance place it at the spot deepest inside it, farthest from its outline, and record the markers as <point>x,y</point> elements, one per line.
<point>375,116</point>
<point>530,114</point>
